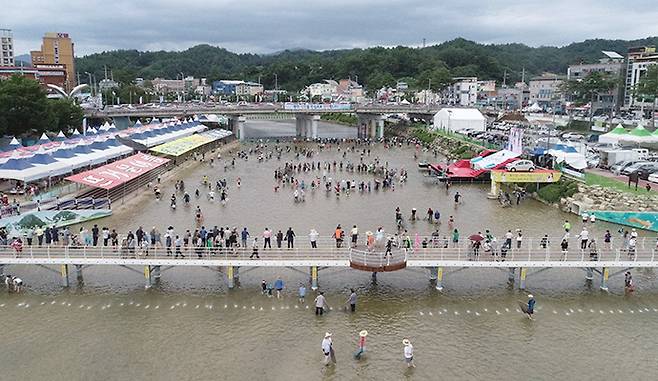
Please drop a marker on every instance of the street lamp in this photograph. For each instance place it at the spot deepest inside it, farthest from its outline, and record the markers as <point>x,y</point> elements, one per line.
<point>276,87</point>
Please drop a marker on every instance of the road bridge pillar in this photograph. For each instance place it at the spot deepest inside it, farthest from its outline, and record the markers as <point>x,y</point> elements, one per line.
<point>380,129</point>
<point>523,273</point>
<point>298,126</point>
<point>439,278</point>
<point>314,119</point>
<point>605,274</point>
<point>64,270</point>
<point>237,126</point>
<point>314,278</point>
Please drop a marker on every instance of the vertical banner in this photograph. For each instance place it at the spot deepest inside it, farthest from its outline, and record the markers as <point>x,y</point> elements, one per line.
<point>515,142</point>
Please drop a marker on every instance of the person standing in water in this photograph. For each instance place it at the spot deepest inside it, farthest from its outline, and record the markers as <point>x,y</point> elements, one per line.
<point>408,353</point>
<point>351,300</point>
<point>327,349</point>
<point>362,344</point>
<point>531,306</point>
<point>302,293</point>
<point>320,302</point>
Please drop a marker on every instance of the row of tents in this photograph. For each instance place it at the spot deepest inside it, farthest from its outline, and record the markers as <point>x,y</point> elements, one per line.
<point>50,158</point>
<point>637,135</point>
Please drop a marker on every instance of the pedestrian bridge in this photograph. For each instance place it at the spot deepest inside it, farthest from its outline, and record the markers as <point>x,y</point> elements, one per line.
<point>374,261</point>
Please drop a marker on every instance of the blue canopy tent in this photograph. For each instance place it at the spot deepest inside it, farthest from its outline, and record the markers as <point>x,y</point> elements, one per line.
<point>16,164</point>
<point>43,139</point>
<point>82,149</point>
<point>64,153</point>
<point>60,137</point>
<point>42,158</point>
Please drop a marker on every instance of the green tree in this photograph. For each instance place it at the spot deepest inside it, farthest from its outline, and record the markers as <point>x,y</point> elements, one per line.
<point>589,89</point>
<point>67,115</point>
<point>646,89</point>
<point>24,108</point>
<point>436,79</point>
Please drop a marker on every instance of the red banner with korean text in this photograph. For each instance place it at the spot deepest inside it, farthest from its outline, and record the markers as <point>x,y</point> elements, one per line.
<point>119,172</point>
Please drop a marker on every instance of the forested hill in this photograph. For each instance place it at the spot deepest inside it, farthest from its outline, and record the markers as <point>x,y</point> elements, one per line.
<point>374,67</point>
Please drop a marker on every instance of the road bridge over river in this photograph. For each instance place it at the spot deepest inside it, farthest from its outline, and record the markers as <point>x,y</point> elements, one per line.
<point>307,115</point>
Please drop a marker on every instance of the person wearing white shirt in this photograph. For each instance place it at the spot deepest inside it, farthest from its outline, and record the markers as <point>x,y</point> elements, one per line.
<point>408,353</point>
<point>584,237</point>
<point>327,347</point>
<point>313,237</point>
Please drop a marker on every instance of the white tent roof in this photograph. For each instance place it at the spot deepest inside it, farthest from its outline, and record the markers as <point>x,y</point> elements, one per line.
<point>462,113</point>
<point>14,142</point>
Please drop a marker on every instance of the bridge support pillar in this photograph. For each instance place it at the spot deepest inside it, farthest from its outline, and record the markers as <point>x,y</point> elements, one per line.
<point>237,126</point>
<point>605,274</point>
<point>523,273</point>
<point>64,270</point>
<point>380,129</point>
<point>232,275</point>
<point>155,273</point>
<point>314,126</point>
<point>370,126</point>
<point>589,273</point>
<point>439,278</point>
<point>314,278</point>
<point>2,271</point>
<point>148,277</point>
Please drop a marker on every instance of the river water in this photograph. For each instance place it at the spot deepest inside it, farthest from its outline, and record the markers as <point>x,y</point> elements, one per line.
<point>192,327</point>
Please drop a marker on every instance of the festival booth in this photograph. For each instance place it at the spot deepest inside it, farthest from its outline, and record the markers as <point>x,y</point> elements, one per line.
<point>614,135</point>
<point>117,179</point>
<point>455,119</point>
<point>639,136</point>
<point>186,145</point>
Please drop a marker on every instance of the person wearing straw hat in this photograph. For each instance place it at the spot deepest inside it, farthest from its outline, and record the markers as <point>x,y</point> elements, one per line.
<point>362,344</point>
<point>528,308</point>
<point>328,349</point>
<point>408,353</point>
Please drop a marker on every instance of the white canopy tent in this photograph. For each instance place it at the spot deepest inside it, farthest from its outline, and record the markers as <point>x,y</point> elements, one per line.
<point>455,119</point>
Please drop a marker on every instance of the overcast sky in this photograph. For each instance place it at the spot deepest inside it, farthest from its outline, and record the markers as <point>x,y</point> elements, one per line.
<point>265,26</point>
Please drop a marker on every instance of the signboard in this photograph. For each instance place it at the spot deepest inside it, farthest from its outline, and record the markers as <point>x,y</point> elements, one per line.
<point>538,176</point>
<point>114,174</point>
<point>571,172</point>
<point>598,126</point>
<point>19,225</point>
<point>317,106</point>
<point>641,220</point>
<point>180,146</point>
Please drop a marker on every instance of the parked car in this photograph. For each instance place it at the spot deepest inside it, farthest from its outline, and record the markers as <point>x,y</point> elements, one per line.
<point>633,167</point>
<point>617,168</point>
<point>653,178</point>
<point>647,170</point>
<point>520,165</point>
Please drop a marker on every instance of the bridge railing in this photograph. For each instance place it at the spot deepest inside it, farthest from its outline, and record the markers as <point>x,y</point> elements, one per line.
<point>374,256</point>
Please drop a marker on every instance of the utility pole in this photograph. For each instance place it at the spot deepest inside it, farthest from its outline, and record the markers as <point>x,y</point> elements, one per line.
<point>523,75</point>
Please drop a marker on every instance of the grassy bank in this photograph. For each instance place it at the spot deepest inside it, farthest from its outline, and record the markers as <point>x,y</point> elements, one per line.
<point>607,182</point>
<point>346,119</point>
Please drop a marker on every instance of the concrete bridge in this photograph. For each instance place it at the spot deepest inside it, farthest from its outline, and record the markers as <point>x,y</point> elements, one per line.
<point>371,116</point>
<point>517,264</point>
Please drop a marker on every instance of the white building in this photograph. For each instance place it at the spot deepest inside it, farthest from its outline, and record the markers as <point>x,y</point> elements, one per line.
<point>463,92</point>
<point>6,48</point>
<point>455,119</point>
<point>324,90</point>
<point>639,60</point>
<point>545,91</point>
